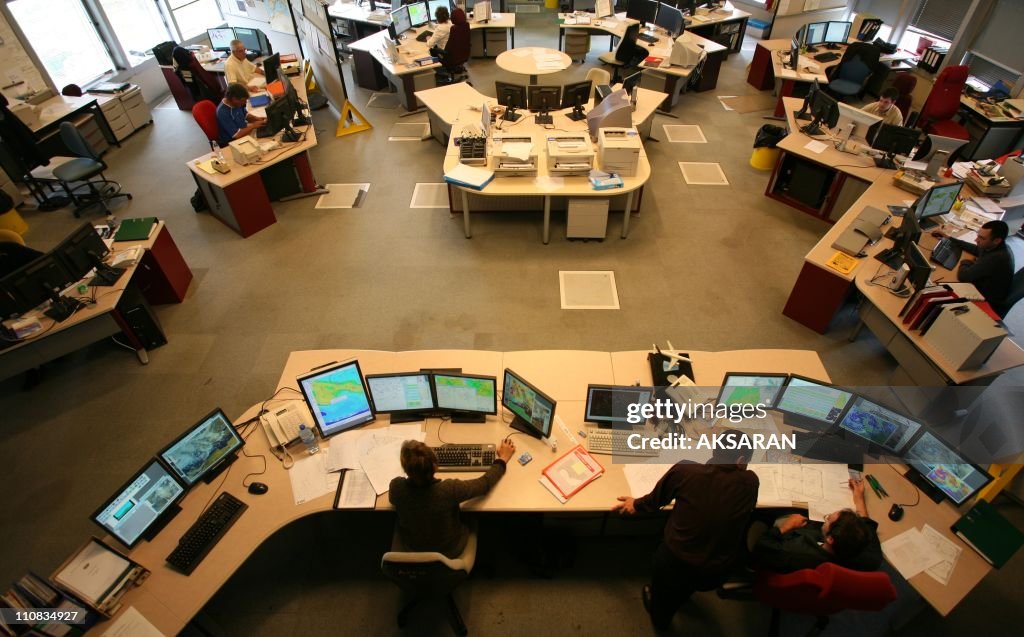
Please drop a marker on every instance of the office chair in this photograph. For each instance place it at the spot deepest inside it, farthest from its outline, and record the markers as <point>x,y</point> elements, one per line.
<point>10,236</point>
<point>819,592</point>
<point>625,54</point>
<point>83,168</point>
<point>72,90</point>
<point>598,77</point>
<point>429,575</point>
<point>943,104</point>
<point>200,83</point>
<point>205,114</point>
<point>456,51</point>
<point>693,81</point>
<point>905,84</point>
<point>849,77</point>
<point>1015,244</point>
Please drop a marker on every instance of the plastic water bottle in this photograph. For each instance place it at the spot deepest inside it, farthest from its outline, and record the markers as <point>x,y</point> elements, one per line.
<point>217,151</point>
<point>309,439</point>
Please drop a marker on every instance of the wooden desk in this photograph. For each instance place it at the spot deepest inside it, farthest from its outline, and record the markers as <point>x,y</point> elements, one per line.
<point>992,133</point>
<point>239,198</point>
<point>45,119</point>
<point>492,38</point>
<point>373,70</point>
<point>526,61</point>
<point>160,276</point>
<point>727,26</point>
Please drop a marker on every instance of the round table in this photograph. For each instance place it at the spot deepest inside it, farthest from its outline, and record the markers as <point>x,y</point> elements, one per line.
<point>526,60</point>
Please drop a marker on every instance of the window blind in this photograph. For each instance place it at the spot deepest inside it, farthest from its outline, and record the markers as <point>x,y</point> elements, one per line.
<point>939,17</point>
<point>989,72</point>
<point>999,40</point>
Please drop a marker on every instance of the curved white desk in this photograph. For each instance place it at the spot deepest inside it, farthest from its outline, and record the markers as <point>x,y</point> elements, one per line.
<point>530,61</point>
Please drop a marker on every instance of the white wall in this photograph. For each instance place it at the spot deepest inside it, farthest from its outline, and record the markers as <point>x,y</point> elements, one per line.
<point>15,60</point>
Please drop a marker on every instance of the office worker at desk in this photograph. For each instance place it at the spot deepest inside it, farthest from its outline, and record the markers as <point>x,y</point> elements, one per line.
<point>886,107</point>
<point>848,538</point>
<point>428,508</point>
<point>438,39</point>
<point>233,121</point>
<point>992,271</point>
<point>238,68</point>
<point>704,535</point>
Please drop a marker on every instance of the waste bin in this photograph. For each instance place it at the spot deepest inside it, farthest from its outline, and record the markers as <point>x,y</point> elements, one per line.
<point>765,152</point>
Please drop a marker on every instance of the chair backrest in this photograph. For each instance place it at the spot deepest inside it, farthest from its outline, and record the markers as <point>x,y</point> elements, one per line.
<point>422,573</point>
<point>456,50</point>
<point>944,100</point>
<point>598,77</point>
<point>1015,244</point>
<point>865,51</point>
<point>626,51</point>
<point>75,142</point>
<point>825,590</point>
<point>905,83</point>
<point>205,114</point>
<point>854,70</point>
<point>10,236</point>
<point>694,79</point>
<point>72,90</point>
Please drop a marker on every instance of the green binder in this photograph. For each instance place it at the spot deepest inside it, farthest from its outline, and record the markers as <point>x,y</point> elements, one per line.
<point>989,533</point>
<point>135,229</point>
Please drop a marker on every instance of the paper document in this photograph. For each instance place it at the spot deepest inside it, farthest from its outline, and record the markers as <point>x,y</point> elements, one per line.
<point>356,491</point>
<point>206,166</point>
<point>910,553</point>
<point>382,465</point>
<point>94,571</point>
<point>547,66</point>
<point>517,150</point>
<point>916,165</point>
<point>344,450</point>
<point>642,477</point>
<point>310,478</point>
<point>815,146</point>
<point>407,432</point>
<point>987,205</point>
<point>944,547</point>
<point>769,475</point>
<point>131,623</point>
<point>573,471</point>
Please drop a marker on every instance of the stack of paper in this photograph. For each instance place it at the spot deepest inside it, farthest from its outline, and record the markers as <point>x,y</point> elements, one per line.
<point>911,552</point>
<point>469,176</point>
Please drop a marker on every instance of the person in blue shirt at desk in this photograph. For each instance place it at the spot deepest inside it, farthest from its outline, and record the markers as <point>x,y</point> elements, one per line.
<point>233,121</point>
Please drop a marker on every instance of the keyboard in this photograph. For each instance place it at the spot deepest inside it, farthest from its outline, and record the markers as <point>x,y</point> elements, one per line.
<point>475,457</point>
<point>611,442</point>
<point>891,257</point>
<point>205,532</point>
<point>423,37</point>
<point>650,39</point>
<point>827,447</point>
<point>827,57</point>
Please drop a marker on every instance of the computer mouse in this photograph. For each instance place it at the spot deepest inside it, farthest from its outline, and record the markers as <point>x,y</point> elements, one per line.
<point>937,234</point>
<point>258,488</point>
<point>895,513</point>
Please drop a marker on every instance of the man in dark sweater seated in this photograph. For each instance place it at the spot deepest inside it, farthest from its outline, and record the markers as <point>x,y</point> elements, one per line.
<point>428,508</point>
<point>848,538</point>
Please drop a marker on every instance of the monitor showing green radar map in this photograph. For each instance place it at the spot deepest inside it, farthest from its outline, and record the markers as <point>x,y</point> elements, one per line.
<point>336,396</point>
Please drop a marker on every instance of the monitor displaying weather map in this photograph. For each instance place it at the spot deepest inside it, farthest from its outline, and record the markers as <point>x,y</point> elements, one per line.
<point>940,465</point>
<point>879,425</point>
<point>392,393</point>
<point>751,389</point>
<point>139,503</point>
<point>812,401</point>
<point>337,398</point>
<point>459,392</point>
<point>202,448</point>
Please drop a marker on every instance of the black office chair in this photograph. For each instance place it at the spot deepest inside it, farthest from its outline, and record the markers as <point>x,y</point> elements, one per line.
<point>852,74</point>
<point>456,51</point>
<point>86,165</point>
<point>626,55</point>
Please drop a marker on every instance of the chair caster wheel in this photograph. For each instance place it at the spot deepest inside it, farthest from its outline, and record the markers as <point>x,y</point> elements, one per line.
<point>129,197</point>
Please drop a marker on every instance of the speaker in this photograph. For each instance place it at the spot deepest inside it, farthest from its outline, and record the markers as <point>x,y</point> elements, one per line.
<point>140,318</point>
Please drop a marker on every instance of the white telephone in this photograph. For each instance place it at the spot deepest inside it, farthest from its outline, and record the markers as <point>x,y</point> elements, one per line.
<point>281,424</point>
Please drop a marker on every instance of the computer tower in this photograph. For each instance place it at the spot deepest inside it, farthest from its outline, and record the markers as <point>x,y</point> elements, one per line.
<point>806,182</point>
<point>140,318</point>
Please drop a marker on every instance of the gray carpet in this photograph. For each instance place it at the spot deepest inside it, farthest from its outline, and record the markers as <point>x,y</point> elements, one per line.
<point>705,267</point>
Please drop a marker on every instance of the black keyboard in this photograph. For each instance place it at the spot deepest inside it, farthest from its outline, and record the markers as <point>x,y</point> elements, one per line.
<point>424,36</point>
<point>205,532</point>
<point>827,447</point>
<point>827,57</point>
<point>650,39</point>
<point>464,457</point>
<point>891,257</point>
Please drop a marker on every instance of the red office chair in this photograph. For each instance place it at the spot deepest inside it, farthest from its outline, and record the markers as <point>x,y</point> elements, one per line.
<point>905,84</point>
<point>205,114</point>
<point>943,104</point>
<point>456,50</point>
<point>201,83</point>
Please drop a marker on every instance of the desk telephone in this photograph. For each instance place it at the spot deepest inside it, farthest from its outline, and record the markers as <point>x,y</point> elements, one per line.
<point>282,424</point>
<point>947,253</point>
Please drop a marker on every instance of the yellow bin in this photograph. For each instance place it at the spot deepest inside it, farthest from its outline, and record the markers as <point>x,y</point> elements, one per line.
<point>11,220</point>
<point>764,158</point>
<point>550,4</point>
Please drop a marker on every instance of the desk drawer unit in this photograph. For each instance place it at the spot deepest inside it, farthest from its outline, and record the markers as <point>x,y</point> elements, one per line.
<point>136,108</point>
<point>116,116</point>
<point>496,41</point>
<point>93,134</point>
<point>587,218</point>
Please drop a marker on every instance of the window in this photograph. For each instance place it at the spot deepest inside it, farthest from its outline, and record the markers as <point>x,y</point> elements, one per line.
<point>138,26</point>
<point>987,73</point>
<point>938,17</point>
<point>65,39</point>
<point>194,17</point>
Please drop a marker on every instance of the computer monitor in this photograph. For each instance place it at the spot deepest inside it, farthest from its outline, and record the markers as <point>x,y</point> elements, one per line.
<point>280,113</point>
<point>337,397</point>
<point>249,38</point>
<point>854,123</point>
<point>140,508</point>
<point>685,52</point>
<point>814,33</point>
<point>419,14</point>
<point>84,250</point>
<point>408,397</point>
<point>895,140</point>
<point>575,96</point>
<point>670,19</point>
<point>879,425</point>
<point>511,96</point>
<point>220,39</point>
<point>825,111</point>
<point>631,82</point>
<point>401,20</point>
<point>643,11</point>
<point>203,450</point>
<point>544,98</point>
<point>745,388</point>
<point>41,279</point>
<point>810,404</point>
<point>608,405</point>
<point>837,32</point>
<point>466,397</point>
<point>935,202</point>
<point>941,471</point>
<point>433,5</point>
<point>920,268</point>
<point>937,151</point>
<point>272,69</point>
<point>534,411</point>
<point>908,232</point>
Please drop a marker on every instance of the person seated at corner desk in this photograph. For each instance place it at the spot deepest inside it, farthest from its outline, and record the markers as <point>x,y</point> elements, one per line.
<point>992,271</point>
<point>886,107</point>
<point>233,121</point>
<point>438,40</point>
<point>238,68</point>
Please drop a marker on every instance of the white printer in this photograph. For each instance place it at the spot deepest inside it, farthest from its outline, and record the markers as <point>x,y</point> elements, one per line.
<point>618,150</point>
<point>570,155</point>
<point>245,150</point>
<point>511,156</point>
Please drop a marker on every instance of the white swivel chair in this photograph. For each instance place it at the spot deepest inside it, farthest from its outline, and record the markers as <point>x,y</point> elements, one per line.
<point>598,77</point>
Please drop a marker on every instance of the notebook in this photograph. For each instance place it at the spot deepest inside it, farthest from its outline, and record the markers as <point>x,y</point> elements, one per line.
<point>989,533</point>
<point>135,229</point>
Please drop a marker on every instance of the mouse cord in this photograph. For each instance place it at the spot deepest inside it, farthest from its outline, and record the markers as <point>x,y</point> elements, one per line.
<point>248,455</point>
<point>439,425</point>
<point>918,491</point>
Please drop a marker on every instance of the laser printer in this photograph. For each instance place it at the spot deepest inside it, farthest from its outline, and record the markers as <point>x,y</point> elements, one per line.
<point>511,156</point>
<point>570,155</point>
<point>618,150</point>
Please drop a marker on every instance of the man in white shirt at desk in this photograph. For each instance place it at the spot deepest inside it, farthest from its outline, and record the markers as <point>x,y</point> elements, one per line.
<point>886,108</point>
<point>239,69</point>
<point>440,36</point>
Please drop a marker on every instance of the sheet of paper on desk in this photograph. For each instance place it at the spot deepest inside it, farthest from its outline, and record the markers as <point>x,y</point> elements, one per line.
<point>815,146</point>
<point>356,491</point>
<point>517,150</point>
<point>642,477</point>
<point>769,476</point>
<point>310,478</point>
<point>259,111</point>
<point>344,450</point>
<point>94,571</point>
<point>987,205</point>
<point>944,547</point>
<point>131,623</point>
<point>407,432</point>
<point>382,465</point>
<point>910,553</point>
<point>206,166</point>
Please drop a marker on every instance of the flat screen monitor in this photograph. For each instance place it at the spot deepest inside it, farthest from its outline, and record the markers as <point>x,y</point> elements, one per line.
<point>249,38</point>
<point>280,112</point>
<point>837,32</point>
<point>466,394</point>
<point>35,282</point>
<point>337,397</point>
<point>854,123</point>
<point>632,81</point>
<point>920,268</point>
<point>434,5</point>
<point>533,410</point>
<point>406,393</point>
<point>401,20</point>
<point>608,405</point>
<point>139,508</point>
<point>933,144</point>
<point>879,425</point>
<point>824,108</point>
<point>744,388</point>
<point>220,39</point>
<point>643,11</point>
<point>936,201</point>
<point>203,449</point>
<point>418,13</point>
<point>576,94</point>
<point>272,68</point>
<point>81,251</point>
<point>544,98</point>
<point>895,140</point>
<point>814,33</point>
<point>670,19</point>
<point>811,404</point>
<point>908,232</point>
<point>945,470</point>
<point>510,95</point>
